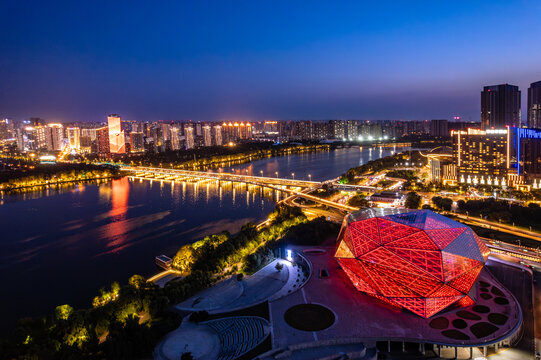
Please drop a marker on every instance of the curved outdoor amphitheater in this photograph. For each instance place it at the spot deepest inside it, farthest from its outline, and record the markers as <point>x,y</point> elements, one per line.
<point>353,310</point>
<point>223,339</point>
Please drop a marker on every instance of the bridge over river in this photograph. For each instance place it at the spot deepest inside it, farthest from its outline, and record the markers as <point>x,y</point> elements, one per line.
<point>290,186</point>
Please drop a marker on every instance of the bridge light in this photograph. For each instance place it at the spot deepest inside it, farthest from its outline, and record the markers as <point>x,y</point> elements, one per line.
<point>289,255</point>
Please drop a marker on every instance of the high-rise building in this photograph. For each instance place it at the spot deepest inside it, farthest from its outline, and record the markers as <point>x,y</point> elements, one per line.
<point>270,128</point>
<point>117,141</point>
<point>482,156</point>
<point>89,132</point>
<point>207,137</point>
<point>500,106</point>
<point>189,134</point>
<point>102,141</point>
<point>175,137</point>
<point>534,105</point>
<point>74,138</point>
<point>218,135</point>
<point>4,130</point>
<point>137,142</point>
<point>352,129</point>
<point>339,129</point>
<point>49,137</point>
<point>439,128</point>
<point>27,138</point>
<point>527,143</point>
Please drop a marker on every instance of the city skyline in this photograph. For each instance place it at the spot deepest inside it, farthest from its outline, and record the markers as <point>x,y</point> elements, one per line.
<point>256,62</point>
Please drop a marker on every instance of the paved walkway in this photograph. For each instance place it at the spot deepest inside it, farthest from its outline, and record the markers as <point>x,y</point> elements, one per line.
<point>231,294</point>
<point>362,316</point>
<point>201,341</point>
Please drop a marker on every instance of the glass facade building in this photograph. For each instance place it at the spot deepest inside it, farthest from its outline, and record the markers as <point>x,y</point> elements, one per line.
<point>417,260</point>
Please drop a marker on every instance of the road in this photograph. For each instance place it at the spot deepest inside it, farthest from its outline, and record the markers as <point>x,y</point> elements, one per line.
<point>497,226</point>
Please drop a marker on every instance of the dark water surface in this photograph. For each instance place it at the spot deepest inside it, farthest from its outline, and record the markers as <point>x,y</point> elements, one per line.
<point>61,246</point>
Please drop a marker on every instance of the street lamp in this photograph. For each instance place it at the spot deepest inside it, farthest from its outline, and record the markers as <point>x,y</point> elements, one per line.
<point>293,175</point>
<point>276,172</point>
<point>310,177</point>
<point>261,172</point>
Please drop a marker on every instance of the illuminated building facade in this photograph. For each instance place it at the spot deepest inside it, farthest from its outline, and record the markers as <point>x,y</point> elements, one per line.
<point>189,135</point>
<point>74,138</point>
<point>217,135</point>
<point>339,129</point>
<point>527,144</point>
<point>500,106</point>
<point>117,141</point>
<point>207,135</point>
<point>482,157</point>
<point>534,105</point>
<point>175,137</point>
<point>418,260</point>
<point>237,131</point>
<point>137,142</point>
<point>352,129</point>
<point>102,141</point>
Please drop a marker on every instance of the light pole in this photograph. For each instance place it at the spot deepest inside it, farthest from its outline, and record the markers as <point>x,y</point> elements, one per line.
<point>276,172</point>
<point>293,175</point>
<point>310,177</point>
<point>261,172</point>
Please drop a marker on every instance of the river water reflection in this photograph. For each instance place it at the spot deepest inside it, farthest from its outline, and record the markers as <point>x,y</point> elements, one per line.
<point>61,246</point>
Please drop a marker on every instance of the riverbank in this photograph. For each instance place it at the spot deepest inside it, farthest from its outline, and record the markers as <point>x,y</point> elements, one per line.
<point>216,157</point>
<point>31,177</point>
<point>138,310</point>
<point>108,231</point>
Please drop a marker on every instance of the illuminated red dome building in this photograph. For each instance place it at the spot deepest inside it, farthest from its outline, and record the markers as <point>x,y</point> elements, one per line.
<point>417,260</point>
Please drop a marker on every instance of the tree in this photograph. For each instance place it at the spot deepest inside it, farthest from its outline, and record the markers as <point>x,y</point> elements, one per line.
<point>437,201</point>
<point>446,204</point>
<point>137,281</point>
<point>63,312</point>
<point>413,201</point>
<point>359,201</point>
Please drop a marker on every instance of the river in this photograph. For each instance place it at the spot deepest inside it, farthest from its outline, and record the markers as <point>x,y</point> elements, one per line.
<point>61,246</point>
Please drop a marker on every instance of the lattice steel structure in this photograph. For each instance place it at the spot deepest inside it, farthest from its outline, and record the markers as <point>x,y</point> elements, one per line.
<point>417,260</point>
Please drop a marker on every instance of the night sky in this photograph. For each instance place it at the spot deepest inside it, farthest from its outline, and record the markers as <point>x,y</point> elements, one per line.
<point>255,60</point>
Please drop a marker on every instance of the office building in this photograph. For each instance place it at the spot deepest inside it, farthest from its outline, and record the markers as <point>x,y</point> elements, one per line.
<point>500,106</point>
<point>534,105</point>
<point>482,156</point>
<point>527,144</point>
<point>117,142</point>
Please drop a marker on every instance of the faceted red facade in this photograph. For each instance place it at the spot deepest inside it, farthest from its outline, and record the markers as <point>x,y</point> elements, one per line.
<point>417,260</point>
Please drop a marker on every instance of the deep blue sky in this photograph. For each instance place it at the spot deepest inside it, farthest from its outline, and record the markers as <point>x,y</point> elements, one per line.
<point>214,60</point>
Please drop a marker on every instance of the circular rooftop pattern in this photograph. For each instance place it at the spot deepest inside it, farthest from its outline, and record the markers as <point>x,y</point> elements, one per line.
<point>480,320</point>
<point>309,317</point>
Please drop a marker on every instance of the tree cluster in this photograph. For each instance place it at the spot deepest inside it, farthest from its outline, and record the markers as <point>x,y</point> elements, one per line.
<point>412,201</point>
<point>503,211</point>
